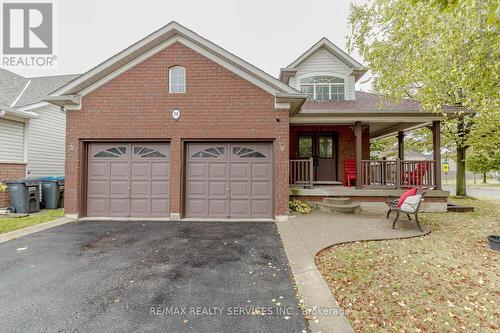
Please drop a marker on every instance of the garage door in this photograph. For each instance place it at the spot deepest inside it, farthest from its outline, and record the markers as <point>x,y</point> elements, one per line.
<point>232,180</point>
<point>128,179</point>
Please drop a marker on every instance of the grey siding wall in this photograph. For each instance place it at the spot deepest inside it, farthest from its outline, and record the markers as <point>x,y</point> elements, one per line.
<point>11,141</point>
<point>46,144</point>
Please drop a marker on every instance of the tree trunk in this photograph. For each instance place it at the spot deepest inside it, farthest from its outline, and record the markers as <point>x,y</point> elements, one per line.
<point>462,132</point>
<point>461,186</point>
<point>484,177</point>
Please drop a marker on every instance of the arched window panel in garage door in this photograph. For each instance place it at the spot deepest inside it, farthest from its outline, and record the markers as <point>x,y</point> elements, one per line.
<point>211,152</point>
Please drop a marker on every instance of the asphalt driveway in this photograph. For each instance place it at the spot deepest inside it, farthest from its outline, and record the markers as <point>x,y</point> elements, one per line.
<point>148,277</point>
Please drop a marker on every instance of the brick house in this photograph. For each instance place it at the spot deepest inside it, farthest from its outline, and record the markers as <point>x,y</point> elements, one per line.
<point>175,126</point>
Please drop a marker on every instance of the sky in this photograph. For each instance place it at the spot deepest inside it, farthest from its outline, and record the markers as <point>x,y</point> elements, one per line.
<point>269,34</point>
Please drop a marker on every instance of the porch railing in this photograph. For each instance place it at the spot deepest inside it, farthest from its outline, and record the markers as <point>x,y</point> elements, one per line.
<point>301,172</point>
<point>374,173</point>
<point>397,173</point>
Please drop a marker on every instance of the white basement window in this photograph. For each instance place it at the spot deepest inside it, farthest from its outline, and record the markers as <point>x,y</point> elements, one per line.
<point>323,88</point>
<point>177,80</point>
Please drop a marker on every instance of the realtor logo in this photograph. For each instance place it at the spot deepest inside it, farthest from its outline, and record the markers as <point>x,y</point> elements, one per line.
<point>27,28</point>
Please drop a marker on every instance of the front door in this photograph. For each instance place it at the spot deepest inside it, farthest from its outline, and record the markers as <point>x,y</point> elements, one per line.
<point>321,147</point>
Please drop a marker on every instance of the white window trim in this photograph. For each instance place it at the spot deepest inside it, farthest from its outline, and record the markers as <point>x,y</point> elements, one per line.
<point>311,74</point>
<point>340,76</point>
<point>170,80</point>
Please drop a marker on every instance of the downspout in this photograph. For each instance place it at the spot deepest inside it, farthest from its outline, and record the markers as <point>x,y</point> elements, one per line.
<point>26,144</point>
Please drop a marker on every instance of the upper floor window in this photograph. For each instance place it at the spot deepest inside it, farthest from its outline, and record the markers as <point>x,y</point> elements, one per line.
<point>177,80</point>
<point>323,88</point>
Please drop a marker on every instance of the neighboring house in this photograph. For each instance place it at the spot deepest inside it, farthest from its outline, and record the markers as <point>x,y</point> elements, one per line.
<point>32,131</point>
<point>175,126</point>
<point>418,156</point>
<point>409,155</point>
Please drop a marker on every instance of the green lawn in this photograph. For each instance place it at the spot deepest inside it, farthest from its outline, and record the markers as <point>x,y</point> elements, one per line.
<point>13,223</point>
<point>448,281</point>
<point>490,182</point>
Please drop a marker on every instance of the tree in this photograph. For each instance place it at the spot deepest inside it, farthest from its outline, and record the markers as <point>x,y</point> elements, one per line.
<point>484,155</point>
<point>479,161</point>
<point>440,52</point>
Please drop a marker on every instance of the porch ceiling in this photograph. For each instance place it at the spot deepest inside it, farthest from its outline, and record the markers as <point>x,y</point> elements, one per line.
<point>382,123</point>
<point>379,128</point>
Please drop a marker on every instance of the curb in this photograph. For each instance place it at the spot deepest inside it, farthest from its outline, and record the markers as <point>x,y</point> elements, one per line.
<point>33,229</point>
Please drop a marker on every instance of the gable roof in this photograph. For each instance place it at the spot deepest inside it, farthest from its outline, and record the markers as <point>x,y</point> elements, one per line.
<point>40,87</point>
<point>11,86</point>
<point>17,91</point>
<point>154,43</point>
<point>358,69</point>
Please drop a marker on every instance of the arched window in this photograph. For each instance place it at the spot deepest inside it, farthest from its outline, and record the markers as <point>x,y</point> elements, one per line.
<point>177,80</point>
<point>323,88</point>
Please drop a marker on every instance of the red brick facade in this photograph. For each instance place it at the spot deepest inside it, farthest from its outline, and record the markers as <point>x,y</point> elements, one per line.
<point>10,171</point>
<point>346,142</point>
<point>217,104</point>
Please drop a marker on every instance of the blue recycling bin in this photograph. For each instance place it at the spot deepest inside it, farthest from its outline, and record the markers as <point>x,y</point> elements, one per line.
<point>52,192</point>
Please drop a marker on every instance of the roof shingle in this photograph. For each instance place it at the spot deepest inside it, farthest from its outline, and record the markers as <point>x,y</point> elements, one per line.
<point>35,88</point>
<point>365,102</point>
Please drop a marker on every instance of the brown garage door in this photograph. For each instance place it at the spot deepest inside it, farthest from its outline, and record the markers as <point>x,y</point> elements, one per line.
<point>128,179</point>
<point>229,180</point>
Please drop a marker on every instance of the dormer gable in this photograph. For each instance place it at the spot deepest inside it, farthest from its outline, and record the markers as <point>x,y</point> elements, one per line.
<point>325,72</point>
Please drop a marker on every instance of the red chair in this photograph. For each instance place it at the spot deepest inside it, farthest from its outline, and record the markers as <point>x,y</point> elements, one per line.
<point>349,172</point>
<point>415,177</point>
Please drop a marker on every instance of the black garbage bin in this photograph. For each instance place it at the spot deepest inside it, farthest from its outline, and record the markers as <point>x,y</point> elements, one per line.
<point>24,195</point>
<point>53,192</point>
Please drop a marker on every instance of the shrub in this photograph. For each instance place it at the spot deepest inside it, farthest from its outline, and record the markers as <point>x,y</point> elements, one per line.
<point>3,187</point>
<point>299,206</point>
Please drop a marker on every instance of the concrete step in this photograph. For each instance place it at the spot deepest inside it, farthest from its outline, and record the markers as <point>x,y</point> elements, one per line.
<point>337,201</point>
<point>350,208</point>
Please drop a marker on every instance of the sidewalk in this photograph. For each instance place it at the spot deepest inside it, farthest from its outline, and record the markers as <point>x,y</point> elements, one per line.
<point>304,236</point>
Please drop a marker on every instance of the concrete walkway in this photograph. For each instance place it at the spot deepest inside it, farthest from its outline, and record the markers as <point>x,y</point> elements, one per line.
<point>304,236</point>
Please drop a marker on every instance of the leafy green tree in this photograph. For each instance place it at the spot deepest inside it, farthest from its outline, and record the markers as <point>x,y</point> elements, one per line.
<point>479,161</point>
<point>484,155</point>
<point>440,52</point>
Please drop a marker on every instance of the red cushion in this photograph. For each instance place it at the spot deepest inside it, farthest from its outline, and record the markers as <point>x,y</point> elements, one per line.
<point>405,195</point>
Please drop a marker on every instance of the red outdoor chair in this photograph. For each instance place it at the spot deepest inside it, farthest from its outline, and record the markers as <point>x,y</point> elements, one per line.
<point>349,172</point>
<point>416,176</point>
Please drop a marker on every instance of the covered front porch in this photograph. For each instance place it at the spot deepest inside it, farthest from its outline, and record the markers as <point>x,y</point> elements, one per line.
<point>330,157</point>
